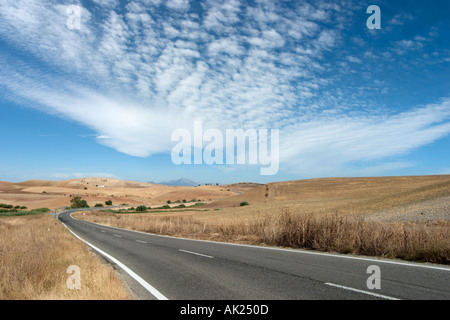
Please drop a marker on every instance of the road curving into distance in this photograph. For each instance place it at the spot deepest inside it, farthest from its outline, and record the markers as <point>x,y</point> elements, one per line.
<point>168,268</point>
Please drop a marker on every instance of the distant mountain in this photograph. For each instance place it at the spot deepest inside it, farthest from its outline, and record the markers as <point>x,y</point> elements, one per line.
<point>183,182</point>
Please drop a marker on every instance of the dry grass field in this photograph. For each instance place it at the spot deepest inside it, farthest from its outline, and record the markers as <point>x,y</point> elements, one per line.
<point>395,217</point>
<point>35,252</point>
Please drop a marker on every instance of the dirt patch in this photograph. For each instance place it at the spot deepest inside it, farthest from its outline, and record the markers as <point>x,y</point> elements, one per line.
<point>435,209</point>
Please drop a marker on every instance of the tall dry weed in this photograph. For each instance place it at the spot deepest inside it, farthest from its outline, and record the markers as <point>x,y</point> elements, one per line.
<point>333,232</point>
<point>352,234</point>
<point>35,252</point>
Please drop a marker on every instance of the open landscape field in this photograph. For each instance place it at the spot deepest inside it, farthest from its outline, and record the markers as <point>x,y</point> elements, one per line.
<point>397,217</point>
<point>57,194</point>
<point>392,217</point>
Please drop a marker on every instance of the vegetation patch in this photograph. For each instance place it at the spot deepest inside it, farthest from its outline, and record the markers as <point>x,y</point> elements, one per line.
<point>421,241</point>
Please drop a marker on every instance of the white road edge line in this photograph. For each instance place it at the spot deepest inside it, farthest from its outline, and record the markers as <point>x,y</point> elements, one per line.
<point>198,254</point>
<point>361,291</point>
<point>158,295</point>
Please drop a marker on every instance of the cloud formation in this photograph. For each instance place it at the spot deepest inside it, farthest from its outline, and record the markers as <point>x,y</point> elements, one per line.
<point>135,72</point>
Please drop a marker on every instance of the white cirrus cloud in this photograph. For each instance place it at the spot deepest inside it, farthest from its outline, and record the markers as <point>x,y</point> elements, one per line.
<point>134,73</point>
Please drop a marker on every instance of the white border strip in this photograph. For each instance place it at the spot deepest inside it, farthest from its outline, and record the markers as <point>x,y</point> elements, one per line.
<point>361,291</point>
<point>158,295</point>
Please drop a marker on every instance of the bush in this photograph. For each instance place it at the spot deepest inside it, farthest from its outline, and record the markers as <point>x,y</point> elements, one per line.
<point>244,203</point>
<point>7,211</point>
<point>108,203</point>
<point>141,208</point>
<point>40,210</point>
<point>98,205</point>
<point>199,204</point>
<point>77,202</point>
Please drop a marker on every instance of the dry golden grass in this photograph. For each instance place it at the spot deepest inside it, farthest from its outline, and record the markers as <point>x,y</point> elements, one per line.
<point>336,232</point>
<point>347,194</point>
<point>35,252</point>
<point>416,241</point>
<point>348,215</point>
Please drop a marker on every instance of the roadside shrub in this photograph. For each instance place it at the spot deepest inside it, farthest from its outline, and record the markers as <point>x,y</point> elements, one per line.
<point>7,210</point>
<point>108,203</point>
<point>141,208</point>
<point>244,203</point>
<point>40,210</point>
<point>77,202</point>
<point>199,204</point>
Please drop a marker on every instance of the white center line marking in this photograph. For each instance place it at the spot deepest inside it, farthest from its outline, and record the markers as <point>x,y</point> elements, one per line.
<point>198,254</point>
<point>362,291</point>
<point>141,241</point>
<point>116,235</point>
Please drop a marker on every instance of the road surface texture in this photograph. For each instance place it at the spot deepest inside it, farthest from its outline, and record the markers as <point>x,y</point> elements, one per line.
<point>168,268</point>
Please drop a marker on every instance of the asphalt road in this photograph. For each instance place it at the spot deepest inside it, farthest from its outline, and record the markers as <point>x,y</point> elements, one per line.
<point>181,269</point>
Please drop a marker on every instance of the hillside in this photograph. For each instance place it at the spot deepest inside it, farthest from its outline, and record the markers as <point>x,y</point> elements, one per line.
<point>374,195</point>
<point>57,194</point>
<point>348,194</point>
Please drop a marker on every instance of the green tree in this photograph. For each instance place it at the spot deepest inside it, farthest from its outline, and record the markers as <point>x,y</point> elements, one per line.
<point>77,202</point>
<point>108,203</point>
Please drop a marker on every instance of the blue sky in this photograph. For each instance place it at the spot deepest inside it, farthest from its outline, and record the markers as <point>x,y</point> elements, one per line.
<point>104,99</point>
